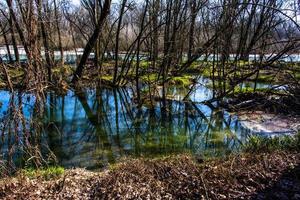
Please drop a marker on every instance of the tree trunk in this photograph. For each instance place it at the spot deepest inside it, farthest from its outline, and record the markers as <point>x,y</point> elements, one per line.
<point>192,28</point>
<point>138,53</point>
<point>13,40</point>
<point>59,35</point>
<point>45,39</point>
<point>6,42</point>
<point>117,40</point>
<point>91,42</point>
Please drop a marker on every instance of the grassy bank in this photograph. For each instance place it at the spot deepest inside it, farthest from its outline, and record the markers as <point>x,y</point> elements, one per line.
<point>261,171</point>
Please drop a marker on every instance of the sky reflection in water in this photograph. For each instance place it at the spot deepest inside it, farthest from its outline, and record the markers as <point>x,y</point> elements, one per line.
<point>99,127</point>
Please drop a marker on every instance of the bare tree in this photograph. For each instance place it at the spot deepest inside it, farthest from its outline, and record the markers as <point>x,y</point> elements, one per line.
<point>92,40</point>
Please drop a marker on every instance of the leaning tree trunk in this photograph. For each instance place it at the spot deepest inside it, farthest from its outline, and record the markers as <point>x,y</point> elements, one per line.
<point>138,53</point>
<point>117,40</point>
<point>18,27</point>
<point>92,40</point>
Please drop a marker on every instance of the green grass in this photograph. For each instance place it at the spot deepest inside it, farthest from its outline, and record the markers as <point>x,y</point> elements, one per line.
<point>46,173</point>
<point>262,144</point>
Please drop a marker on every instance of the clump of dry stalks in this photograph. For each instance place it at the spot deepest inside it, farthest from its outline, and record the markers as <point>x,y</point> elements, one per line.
<point>24,133</point>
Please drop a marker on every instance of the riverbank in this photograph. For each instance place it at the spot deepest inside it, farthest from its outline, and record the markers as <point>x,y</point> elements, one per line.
<point>273,175</point>
<point>261,123</point>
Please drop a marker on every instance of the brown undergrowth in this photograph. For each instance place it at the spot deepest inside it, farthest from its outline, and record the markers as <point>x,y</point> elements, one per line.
<point>246,176</point>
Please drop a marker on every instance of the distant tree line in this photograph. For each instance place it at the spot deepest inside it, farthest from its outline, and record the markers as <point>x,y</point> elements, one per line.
<point>172,33</point>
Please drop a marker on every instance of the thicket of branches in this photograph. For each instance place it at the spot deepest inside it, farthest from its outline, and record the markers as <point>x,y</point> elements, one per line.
<point>172,34</point>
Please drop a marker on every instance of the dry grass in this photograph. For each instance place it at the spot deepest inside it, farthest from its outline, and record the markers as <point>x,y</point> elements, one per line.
<point>176,177</point>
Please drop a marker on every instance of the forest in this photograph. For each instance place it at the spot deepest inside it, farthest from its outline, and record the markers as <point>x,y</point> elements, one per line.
<point>149,99</point>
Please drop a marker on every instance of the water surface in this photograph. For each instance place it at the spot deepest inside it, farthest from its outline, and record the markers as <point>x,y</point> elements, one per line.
<point>95,127</point>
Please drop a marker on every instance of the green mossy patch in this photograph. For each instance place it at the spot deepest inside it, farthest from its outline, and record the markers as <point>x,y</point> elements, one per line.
<point>2,83</point>
<point>185,80</point>
<point>15,72</point>
<point>106,77</point>
<point>149,78</point>
<point>46,173</point>
<point>65,70</point>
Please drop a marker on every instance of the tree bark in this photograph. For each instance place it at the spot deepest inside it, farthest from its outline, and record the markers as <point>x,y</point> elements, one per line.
<point>45,39</point>
<point>117,40</point>
<point>92,40</point>
<point>59,35</point>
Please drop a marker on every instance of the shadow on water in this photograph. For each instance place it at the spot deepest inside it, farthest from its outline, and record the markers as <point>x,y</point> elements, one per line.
<point>94,127</point>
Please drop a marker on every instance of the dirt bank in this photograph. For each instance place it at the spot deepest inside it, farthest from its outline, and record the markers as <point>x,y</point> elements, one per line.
<point>266,175</point>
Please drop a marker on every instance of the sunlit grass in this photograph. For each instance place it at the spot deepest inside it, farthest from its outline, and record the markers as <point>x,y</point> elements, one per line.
<point>263,144</point>
<point>46,173</point>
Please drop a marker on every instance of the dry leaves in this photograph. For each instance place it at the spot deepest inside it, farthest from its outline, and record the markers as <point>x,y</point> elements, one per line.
<point>177,177</point>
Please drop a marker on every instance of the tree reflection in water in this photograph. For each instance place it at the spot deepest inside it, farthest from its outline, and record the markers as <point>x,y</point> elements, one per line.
<point>94,127</point>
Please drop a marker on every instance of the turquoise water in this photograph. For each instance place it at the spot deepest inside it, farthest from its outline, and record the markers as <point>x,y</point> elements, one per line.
<point>95,127</point>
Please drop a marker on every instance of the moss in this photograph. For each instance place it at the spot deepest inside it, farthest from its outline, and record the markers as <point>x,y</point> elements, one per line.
<point>64,70</point>
<point>296,75</point>
<point>2,83</point>
<point>15,72</point>
<point>247,90</point>
<point>108,64</point>
<point>106,77</point>
<point>46,173</point>
<point>149,77</point>
<point>195,68</point>
<point>144,64</point>
<point>206,72</point>
<point>264,77</point>
<point>239,90</point>
<point>185,80</point>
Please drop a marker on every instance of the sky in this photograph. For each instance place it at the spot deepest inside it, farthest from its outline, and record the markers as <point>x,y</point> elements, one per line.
<point>288,5</point>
